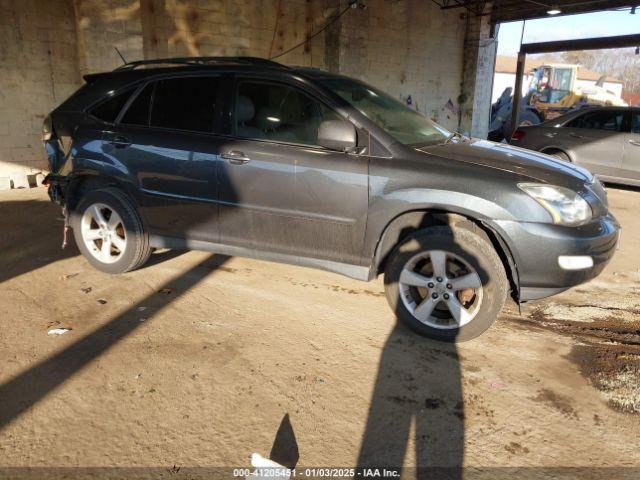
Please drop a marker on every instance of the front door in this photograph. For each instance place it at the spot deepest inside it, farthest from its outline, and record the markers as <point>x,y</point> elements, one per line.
<point>280,191</point>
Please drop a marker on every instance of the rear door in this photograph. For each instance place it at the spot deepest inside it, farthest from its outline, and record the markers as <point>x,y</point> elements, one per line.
<point>597,140</point>
<point>631,158</point>
<point>171,132</point>
<point>279,190</point>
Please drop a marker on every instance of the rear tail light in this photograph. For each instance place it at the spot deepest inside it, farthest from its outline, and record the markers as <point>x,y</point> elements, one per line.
<point>518,135</point>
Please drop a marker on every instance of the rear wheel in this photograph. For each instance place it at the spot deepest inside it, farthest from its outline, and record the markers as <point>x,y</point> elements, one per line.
<point>446,283</point>
<point>109,232</point>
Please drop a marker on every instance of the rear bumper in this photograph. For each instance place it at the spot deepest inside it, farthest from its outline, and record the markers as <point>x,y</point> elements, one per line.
<point>537,248</point>
<point>55,187</point>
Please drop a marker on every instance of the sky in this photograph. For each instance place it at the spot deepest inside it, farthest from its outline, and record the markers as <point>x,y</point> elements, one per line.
<point>567,27</point>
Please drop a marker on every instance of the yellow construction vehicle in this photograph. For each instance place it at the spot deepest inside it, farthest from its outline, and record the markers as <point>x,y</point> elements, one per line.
<point>555,91</point>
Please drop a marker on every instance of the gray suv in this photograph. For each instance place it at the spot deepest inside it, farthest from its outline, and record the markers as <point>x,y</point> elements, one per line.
<point>243,156</point>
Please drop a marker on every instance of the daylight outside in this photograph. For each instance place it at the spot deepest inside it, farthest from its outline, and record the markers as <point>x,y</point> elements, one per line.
<point>322,239</point>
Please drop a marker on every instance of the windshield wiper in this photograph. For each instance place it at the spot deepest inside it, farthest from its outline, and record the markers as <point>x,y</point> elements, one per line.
<point>451,137</point>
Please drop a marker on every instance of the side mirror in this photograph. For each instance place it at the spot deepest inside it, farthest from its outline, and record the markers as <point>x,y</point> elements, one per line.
<point>337,135</point>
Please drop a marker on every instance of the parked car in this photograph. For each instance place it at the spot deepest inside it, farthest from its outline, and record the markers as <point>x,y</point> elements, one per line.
<point>247,157</point>
<point>606,140</point>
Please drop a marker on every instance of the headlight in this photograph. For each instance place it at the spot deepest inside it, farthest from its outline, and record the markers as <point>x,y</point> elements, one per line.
<point>565,206</point>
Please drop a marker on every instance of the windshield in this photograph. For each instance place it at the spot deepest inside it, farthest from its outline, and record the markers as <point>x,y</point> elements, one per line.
<point>405,125</point>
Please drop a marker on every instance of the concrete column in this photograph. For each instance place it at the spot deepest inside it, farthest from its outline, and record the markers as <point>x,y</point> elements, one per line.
<point>154,32</point>
<point>477,77</point>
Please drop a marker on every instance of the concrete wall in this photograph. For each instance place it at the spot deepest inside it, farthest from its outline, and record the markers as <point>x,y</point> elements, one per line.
<point>409,48</point>
<point>38,69</point>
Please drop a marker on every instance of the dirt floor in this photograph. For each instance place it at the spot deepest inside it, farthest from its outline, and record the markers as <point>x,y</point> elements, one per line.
<point>201,360</point>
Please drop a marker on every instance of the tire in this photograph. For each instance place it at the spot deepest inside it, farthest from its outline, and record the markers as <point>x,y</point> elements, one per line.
<point>470,260</point>
<point>559,154</point>
<point>127,244</point>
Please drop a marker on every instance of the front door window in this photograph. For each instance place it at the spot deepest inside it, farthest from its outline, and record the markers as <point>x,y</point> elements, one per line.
<point>273,112</point>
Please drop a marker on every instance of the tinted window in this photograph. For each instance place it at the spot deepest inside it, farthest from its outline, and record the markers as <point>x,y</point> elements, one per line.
<point>279,113</point>
<point>185,103</point>
<point>635,124</point>
<point>108,111</point>
<point>602,120</point>
<point>138,111</point>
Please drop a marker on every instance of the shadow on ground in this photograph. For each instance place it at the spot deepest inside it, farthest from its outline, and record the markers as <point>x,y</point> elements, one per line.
<point>33,237</point>
<point>416,404</point>
<point>26,389</point>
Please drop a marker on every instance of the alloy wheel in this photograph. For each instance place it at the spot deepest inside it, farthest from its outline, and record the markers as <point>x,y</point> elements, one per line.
<point>103,233</point>
<point>440,289</point>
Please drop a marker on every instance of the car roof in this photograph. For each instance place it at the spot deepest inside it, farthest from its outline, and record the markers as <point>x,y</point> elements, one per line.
<point>100,85</point>
<point>143,68</point>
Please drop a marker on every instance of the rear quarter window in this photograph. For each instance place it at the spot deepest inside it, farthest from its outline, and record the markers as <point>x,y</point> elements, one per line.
<point>108,110</point>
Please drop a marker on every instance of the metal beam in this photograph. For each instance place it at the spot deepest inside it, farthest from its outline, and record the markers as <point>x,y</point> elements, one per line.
<point>476,7</point>
<point>511,10</point>
<point>620,41</point>
<point>517,93</point>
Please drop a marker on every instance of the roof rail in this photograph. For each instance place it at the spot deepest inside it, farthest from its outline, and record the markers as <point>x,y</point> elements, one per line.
<point>201,61</point>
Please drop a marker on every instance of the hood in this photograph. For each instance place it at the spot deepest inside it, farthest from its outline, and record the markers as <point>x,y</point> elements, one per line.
<point>525,163</point>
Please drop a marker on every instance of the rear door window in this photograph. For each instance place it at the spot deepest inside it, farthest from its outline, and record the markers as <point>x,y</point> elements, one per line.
<point>187,103</point>
<point>108,110</point>
<point>611,120</point>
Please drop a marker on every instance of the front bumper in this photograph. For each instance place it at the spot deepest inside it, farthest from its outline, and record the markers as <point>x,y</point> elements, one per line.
<point>536,248</point>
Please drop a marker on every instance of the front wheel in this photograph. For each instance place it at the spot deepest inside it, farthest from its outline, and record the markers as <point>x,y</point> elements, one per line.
<point>109,232</point>
<point>446,283</point>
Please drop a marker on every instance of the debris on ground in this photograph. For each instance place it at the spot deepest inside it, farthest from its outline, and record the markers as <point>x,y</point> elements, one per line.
<point>165,291</point>
<point>102,301</point>
<point>614,369</point>
<point>58,331</point>
<point>67,276</point>
<point>608,353</point>
<point>141,309</point>
<point>86,290</point>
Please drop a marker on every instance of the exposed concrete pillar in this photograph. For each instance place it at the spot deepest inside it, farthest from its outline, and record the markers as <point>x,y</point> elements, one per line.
<point>477,77</point>
<point>155,42</point>
<point>332,38</point>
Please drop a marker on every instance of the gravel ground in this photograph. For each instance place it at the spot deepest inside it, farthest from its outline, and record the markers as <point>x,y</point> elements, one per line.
<point>199,360</point>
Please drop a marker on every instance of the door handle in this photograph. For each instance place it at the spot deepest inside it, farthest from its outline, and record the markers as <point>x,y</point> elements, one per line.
<point>120,142</point>
<point>635,142</point>
<point>575,135</point>
<point>235,157</point>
